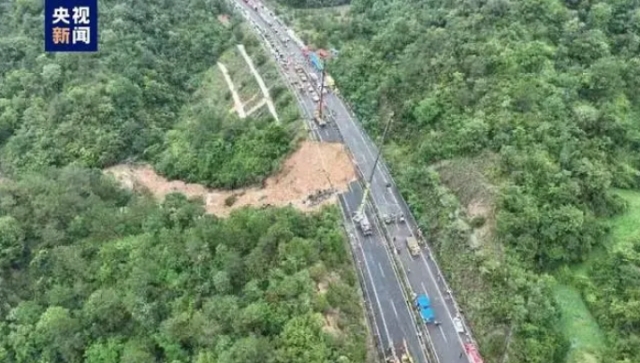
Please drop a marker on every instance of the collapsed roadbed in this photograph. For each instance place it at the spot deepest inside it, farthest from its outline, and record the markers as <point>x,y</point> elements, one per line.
<point>310,178</point>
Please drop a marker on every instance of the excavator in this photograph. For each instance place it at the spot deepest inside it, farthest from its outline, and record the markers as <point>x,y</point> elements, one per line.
<point>319,120</point>
<point>399,353</point>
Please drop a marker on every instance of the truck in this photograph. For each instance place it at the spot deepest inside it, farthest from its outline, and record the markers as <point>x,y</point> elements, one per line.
<point>318,119</point>
<point>328,80</point>
<point>413,246</point>
<point>363,223</point>
<point>423,304</point>
<point>399,353</point>
<point>316,62</point>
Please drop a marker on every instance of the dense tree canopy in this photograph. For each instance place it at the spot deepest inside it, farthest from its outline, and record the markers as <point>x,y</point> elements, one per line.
<point>99,109</point>
<point>539,83</point>
<point>546,90</point>
<point>91,273</point>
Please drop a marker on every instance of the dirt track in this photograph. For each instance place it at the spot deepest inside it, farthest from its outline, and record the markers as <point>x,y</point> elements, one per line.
<point>313,167</point>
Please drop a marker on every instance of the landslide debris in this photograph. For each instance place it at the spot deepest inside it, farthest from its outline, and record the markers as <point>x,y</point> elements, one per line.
<point>311,177</point>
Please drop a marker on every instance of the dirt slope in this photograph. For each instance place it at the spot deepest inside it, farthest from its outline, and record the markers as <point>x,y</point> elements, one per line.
<point>314,168</point>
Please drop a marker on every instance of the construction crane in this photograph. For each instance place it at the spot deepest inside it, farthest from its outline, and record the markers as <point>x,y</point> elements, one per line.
<point>367,189</point>
<point>324,71</point>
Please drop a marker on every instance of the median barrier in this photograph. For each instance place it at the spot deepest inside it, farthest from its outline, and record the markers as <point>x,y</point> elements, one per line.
<point>410,219</point>
<point>413,223</point>
<point>429,349</point>
<point>371,322</point>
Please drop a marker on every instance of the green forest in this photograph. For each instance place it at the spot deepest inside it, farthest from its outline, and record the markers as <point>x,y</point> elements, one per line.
<point>515,140</point>
<point>132,100</point>
<point>93,273</point>
<point>518,120</point>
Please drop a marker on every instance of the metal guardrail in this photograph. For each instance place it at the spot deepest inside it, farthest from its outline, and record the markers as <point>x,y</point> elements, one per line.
<point>398,268</point>
<point>429,349</point>
<point>413,223</point>
<point>363,291</point>
<point>387,174</point>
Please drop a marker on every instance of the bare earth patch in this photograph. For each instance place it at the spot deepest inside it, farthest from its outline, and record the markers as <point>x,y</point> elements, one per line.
<point>323,285</point>
<point>331,322</point>
<point>469,180</point>
<point>224,19</point>
<point>316,169</point>
<point>331,317</point>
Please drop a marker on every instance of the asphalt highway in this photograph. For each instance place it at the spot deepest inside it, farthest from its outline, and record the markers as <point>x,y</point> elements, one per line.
<point>394,318</point>
<point>422,273</point>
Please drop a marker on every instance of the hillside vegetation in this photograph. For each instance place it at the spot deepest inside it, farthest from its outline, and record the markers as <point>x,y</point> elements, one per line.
<point>122,103</point>
<point>211,145</point>
<point>527,112</point>
<point>90,273</point>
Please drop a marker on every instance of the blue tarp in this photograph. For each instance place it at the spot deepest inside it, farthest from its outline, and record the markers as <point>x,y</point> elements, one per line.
<point>424,305</point>
<point>315,61</point>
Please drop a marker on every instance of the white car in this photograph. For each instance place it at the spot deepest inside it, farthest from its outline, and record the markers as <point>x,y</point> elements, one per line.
<point>458,324</point>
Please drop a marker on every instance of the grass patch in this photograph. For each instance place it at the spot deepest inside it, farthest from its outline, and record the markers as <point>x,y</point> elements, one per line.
<point>240,73</point>
<point>587,340</point>
<point>625,226</point>
<point>578,324</point>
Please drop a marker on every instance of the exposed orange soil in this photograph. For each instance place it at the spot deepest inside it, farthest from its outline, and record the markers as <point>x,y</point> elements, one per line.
<point>312,168</point>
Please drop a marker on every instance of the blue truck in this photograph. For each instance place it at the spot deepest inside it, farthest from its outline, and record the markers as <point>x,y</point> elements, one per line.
<point>423,304</point>
<point>316,62</point>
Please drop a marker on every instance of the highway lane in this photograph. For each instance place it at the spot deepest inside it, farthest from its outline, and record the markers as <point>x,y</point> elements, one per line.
<point>422,272</point>
<point>260,20</point>
<point>393,316</point>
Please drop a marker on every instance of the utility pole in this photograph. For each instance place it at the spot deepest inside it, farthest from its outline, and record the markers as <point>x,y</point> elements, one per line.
<point>373,170</point>
<point>324,71</point>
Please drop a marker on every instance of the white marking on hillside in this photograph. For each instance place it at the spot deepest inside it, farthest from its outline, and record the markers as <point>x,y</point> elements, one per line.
<point>256,107</point>
<point>263,87</point>
<point>237,104</point>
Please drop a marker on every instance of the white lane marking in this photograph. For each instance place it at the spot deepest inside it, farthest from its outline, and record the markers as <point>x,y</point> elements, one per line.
<point>373,285</point>
<point>381,270</point>
<point>364,282</point>
<point>395,311</point>
<point>381,170</point>
<point>424,288</point>
<point>376,222</point>
<point>442,299</point>
<point>444,336</point>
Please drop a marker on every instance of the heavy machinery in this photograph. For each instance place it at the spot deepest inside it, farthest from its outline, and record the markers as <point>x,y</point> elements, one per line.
<point>319,119</point>
<point>399,353</point>
<point>363,223</point>
<point>413,246</point>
